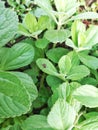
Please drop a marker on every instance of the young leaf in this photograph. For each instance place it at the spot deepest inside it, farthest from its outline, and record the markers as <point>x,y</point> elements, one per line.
<point>64,64</point>
<point>90,61</point>
<point>74,58</point>
<point>60,5</point>
<point>56,53</point>
<point>70,43</point>
<point>77,27</point>
<point>44,22</point>
<point>87,95</point>
<point>91,36</point>
<point>78,72</point>
<point>23,30</point>
<point>85,15</point>
<point>18,56</point>
<point>41,43</point>
<point>46,66</point>
<point>36,122</point>
<point>8,25</point>
<point>61,116</point>
<point>14,98</point>
<point>30,22</point>
<point>56,36</point>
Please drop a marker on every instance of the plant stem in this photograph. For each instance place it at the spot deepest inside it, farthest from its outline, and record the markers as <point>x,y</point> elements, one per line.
<point>54,45</point>
<point>42,80</point>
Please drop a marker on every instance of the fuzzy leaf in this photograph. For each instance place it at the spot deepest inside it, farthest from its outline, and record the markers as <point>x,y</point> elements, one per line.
<point>14,98</point>
<point>62,115</point>
<point>56,36</point>
<point>8,25</point>
<point>87,95</point>
<point>18,56</point>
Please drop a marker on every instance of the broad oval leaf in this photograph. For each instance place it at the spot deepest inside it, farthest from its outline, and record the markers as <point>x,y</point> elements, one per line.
<point>8,25</point>
<point>78,72</point>
<point>90,61</point>
<point>56,53</point>
<point>18,56</point>
<point>87,95</point>
<point>56,36</point>
<point>62,115</point>
<point>41,43</point>
<point>46,66</point>
<point>36,122</point>
<point>28,83</point>
<point>14,98</point>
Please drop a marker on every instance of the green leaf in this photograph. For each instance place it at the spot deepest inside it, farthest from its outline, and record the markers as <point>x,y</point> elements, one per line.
<point>53,82</point>
<point>62,91</point>
<point>8,25</point>
<point>36,122</point>
<point>18,56</point>
<point>91,123</point>
<point>87,95</point>
<point>89,80</point>
<point>78,72</point>
<point>15,127</point>
<point>27,82</point>
<point>92,126</point>
<point>23,30</point>
<point>56,36</point>
<point>70,43</point>
<point>90,61</point>
<point>56,53</point>
<point>46,6</point>
<point>46,66</point>
<point>74,58</point>
<point>30,22</point>
<point>41,43</point>
<point>43,95</point>
<point>91,115</point>
<point>14,98</point>
<point>77,27</point>
<point>64,64</point>
<point>1,4</point>
<point>85,15</point>
<point>44,3</point>
<point>91,36</point>
<point>60,5</point>
<point>62,115</point>
<point>44,22</point>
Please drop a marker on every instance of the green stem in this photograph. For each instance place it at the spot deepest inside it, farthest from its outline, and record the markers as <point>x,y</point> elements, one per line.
<point>42,80</point>
<point>54,45</point>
